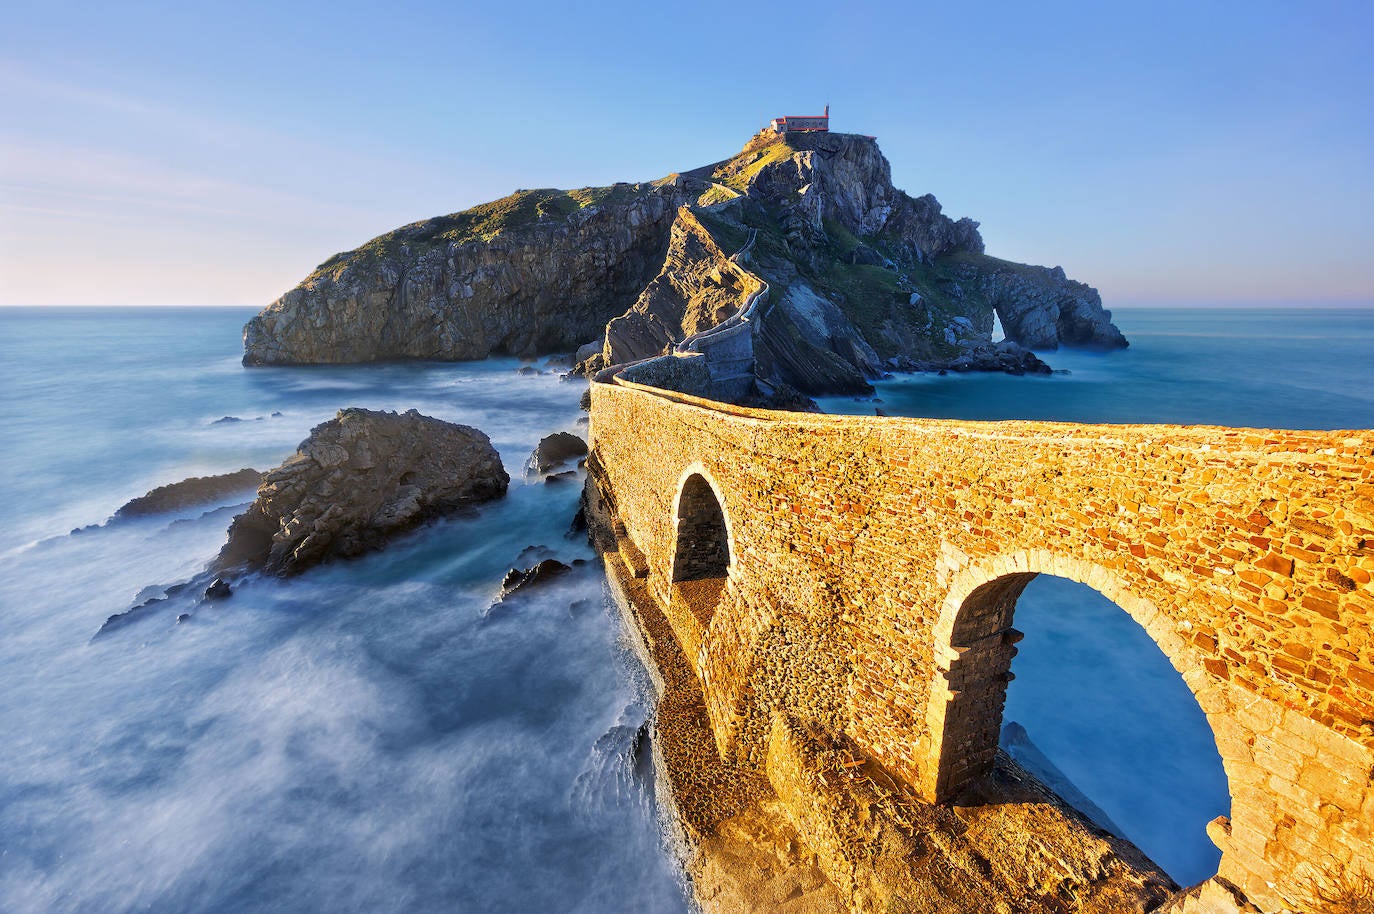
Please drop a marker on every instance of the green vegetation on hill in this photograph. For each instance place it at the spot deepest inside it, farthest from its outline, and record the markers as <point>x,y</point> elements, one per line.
<point>988,264</point>
<point>876,297</point>
<point>482,223</point>
<point>729,234</point>
<point>740,170</point>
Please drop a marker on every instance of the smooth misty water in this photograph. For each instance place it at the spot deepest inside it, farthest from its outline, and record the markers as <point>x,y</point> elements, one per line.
<point>363,738</point>
<point>1092,690</point>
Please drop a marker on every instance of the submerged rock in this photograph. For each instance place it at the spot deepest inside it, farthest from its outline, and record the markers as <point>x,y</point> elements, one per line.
<point>1005,356</point>
<point>196,490</point>
<point>521,581</point>
<point>219,590</point>
<point>359,479</point>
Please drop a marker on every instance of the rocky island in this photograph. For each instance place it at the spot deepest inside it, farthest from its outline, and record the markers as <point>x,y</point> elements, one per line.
<point>857,276</point>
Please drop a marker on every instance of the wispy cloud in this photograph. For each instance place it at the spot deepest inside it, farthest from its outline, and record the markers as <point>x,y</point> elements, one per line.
<point>35,175</point>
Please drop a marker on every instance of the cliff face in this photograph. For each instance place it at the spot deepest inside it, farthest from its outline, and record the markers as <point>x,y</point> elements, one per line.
<point>543,274</point>
<point>862,277</point>
<point>847,180</point>
<point>697,287</point>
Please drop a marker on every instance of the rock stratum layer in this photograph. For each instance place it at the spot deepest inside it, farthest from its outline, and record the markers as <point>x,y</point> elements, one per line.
<point>860,276</point>
<point>359,479</point>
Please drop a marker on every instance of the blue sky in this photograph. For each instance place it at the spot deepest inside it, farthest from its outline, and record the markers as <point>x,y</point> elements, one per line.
<point>184,153</point>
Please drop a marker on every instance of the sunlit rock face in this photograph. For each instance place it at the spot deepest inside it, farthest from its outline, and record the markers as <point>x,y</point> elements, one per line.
<point>359,479</point>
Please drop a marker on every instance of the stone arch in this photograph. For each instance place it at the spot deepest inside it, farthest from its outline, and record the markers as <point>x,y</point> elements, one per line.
<point>974,647</point>
<point>703,546</point>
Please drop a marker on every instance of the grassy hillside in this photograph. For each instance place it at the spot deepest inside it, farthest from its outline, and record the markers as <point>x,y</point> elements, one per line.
<point>483,222</point>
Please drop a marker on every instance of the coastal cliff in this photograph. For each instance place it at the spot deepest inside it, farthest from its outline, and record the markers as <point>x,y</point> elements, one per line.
<point>536,272</point>
<point>860,277</point>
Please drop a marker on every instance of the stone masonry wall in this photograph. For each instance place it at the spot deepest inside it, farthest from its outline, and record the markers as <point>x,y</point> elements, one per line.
<point>875,565</point>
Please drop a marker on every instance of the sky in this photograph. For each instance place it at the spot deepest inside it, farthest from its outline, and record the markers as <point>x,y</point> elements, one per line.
<point>214,154</point>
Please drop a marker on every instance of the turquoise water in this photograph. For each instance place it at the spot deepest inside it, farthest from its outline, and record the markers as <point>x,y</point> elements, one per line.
<point>1241,367</point>
<point>365,738</point>
<point>1092,690</point>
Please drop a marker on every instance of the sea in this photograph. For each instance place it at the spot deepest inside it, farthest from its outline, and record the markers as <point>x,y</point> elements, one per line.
<point>383,735</point>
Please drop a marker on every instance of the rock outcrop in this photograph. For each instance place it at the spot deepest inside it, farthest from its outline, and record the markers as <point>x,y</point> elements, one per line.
<point>359,479</point>
<point>861,277</point>
<point>1040,307</point>
<point>537,272</point>
<point>697,287</point>
<point>553,450</point>
<point>523,580</point>
<point>851,272</point>
<point>197,490</point>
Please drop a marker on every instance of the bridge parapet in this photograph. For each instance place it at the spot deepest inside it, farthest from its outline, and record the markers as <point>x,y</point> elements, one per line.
<point>874,566</point>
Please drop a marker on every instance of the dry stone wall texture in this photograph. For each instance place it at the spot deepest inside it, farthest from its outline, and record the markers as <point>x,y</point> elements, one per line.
<point>874,566</point>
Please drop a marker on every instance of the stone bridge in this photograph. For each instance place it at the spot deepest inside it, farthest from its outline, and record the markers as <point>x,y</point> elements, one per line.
<point>864,573</point>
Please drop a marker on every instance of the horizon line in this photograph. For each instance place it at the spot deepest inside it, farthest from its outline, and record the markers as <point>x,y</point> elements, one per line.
<point>1217,304</point>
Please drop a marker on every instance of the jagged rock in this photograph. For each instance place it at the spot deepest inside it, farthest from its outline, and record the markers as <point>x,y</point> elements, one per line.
<point>578,525</point>
<point>196,490</point>
<point>1005,356</point>
<point>219,590</point>
<point>865,256</point>
<point>845,178</point>
<point>359,479</point>
<point>1041,308</point>
<point>587,350</point>
<point>522,581</point>
<point>808,343</point>
<point>553,450</point>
